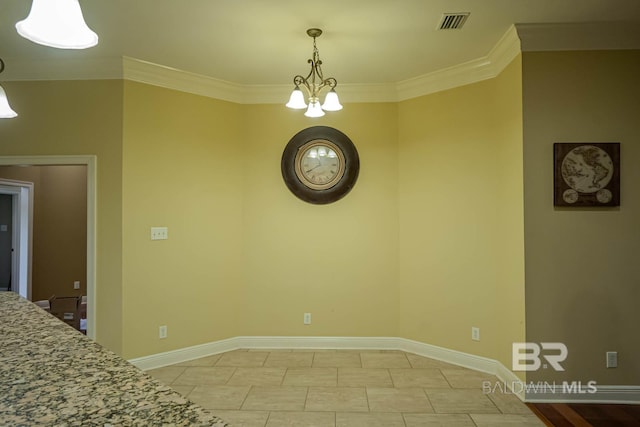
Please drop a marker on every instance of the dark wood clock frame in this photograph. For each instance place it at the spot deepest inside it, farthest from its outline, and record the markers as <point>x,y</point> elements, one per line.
<point>348,152</point>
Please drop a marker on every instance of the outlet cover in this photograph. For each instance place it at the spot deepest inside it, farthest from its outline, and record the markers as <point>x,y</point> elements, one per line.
<point>162,332</point>
<point>475,333</point>
<point>76,284</point>
<point>307,318</point>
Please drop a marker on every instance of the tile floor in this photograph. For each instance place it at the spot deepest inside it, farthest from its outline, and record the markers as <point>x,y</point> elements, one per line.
<point>342,388</point>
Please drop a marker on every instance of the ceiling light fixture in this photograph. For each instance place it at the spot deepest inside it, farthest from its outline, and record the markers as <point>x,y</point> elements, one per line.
<point>57,23</point>
<point>314,83</point>
<point>5,110</point>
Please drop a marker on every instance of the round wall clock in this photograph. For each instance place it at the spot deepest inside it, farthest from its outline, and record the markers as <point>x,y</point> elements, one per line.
<point>320,165</point>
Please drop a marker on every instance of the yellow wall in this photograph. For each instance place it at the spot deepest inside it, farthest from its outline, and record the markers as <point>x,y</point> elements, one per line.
<point>460,215</point>
<point>80,118</point>
<point>59,255</point>
<point>182,163</point>
<point>337,261</point>
<point>582,264</point>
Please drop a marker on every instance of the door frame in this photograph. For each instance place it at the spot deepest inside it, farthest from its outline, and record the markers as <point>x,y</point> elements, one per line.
<point>90,162</point>
<point>21,193</point>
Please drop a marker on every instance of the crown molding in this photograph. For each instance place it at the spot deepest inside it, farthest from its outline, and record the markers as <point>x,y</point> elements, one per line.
<point>473,71</point>
<point>579,36</point>
<point>519,37</point>
<point>159,75</point>
<point>487,67</point>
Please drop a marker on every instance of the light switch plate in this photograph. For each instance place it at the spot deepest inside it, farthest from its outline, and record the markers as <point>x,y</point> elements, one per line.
<point>159,233</point>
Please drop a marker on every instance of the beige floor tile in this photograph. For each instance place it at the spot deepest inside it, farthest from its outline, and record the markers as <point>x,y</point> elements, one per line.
<point>203,361</point>
<point>344,399</point>
<point>438,420</point>
<point>416,377</point>
<point>168,374</point>
<point>307,377</point>
<point>486,420</point>
<point>219,396</point>
<point>243,418</point>
<point>183,389</point>
<point>364,377</point>
<point>509,403</point>
<point>467,378</point>
<point>456,401</point>
<point>289,360</point>
<point>271,350</point>
<point>257,376</point>
<point>428,363</point>
<point>337,360</point>
<point>243,358</point>
<point>301,419</point>
<point>198,375</point>
<point>398,400</point>
<point>368,419</point>
<point>280,398</point>
<point>384,360</point>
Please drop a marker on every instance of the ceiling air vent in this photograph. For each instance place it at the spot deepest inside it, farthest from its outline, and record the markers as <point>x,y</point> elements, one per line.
<point>453,21</point>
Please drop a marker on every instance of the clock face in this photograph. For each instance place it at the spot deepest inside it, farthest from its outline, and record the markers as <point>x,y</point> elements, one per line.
<point>319,164</point>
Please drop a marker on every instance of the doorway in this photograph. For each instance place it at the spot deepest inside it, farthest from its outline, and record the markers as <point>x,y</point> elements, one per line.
<point>6,241</point>
<point>90,163</point>
<point>15,240</point>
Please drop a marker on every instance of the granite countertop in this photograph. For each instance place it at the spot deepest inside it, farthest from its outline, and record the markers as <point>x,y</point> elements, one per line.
<point>51,374</point>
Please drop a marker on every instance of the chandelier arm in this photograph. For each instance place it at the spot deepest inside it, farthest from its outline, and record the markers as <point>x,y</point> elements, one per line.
<point>301,81</point>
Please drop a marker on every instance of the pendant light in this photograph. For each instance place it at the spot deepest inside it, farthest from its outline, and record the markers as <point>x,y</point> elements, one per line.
<point>6,112</point>
<point>57,23</point>
<point>314,83</point>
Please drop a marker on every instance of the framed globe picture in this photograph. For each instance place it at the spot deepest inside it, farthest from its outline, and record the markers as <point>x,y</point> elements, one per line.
<point>586,174</point>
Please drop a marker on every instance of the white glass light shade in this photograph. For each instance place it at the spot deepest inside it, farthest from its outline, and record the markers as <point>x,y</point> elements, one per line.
<point>5,110</point>
<point>296,101</point>
<point>331,102</point>
<point>314,109</point>
<point>57,23</point>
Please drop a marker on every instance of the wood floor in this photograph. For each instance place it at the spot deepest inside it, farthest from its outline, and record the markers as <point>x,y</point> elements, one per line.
<point>587,415</point>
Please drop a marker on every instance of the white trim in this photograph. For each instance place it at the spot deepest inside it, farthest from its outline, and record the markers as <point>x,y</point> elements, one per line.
<point>487,67</point>
<point>454,357</point>
<point>146,72</point>
<point>92,173</point>
<point>519,37</point>
<point>473,71</point>
<point>22,233</point>
<point>604,394</point>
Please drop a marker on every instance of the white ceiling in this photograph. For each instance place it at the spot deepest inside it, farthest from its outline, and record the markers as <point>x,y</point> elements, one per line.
<point>263,42</point>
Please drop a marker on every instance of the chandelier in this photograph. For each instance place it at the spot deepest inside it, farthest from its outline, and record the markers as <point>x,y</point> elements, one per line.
<point>57,23</point>
<point>5,109</point>
<point>314,83</point>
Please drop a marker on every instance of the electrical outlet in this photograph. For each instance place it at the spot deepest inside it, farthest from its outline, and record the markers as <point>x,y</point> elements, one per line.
<point>159,233</point>
<point>76,284</point>
<point>162,331</point>
<point>612,359</point>
<point>475,333</point>
<point>307,318</point>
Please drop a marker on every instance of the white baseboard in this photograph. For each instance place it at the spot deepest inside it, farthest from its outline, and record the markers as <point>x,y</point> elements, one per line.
<point>604,394</point>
